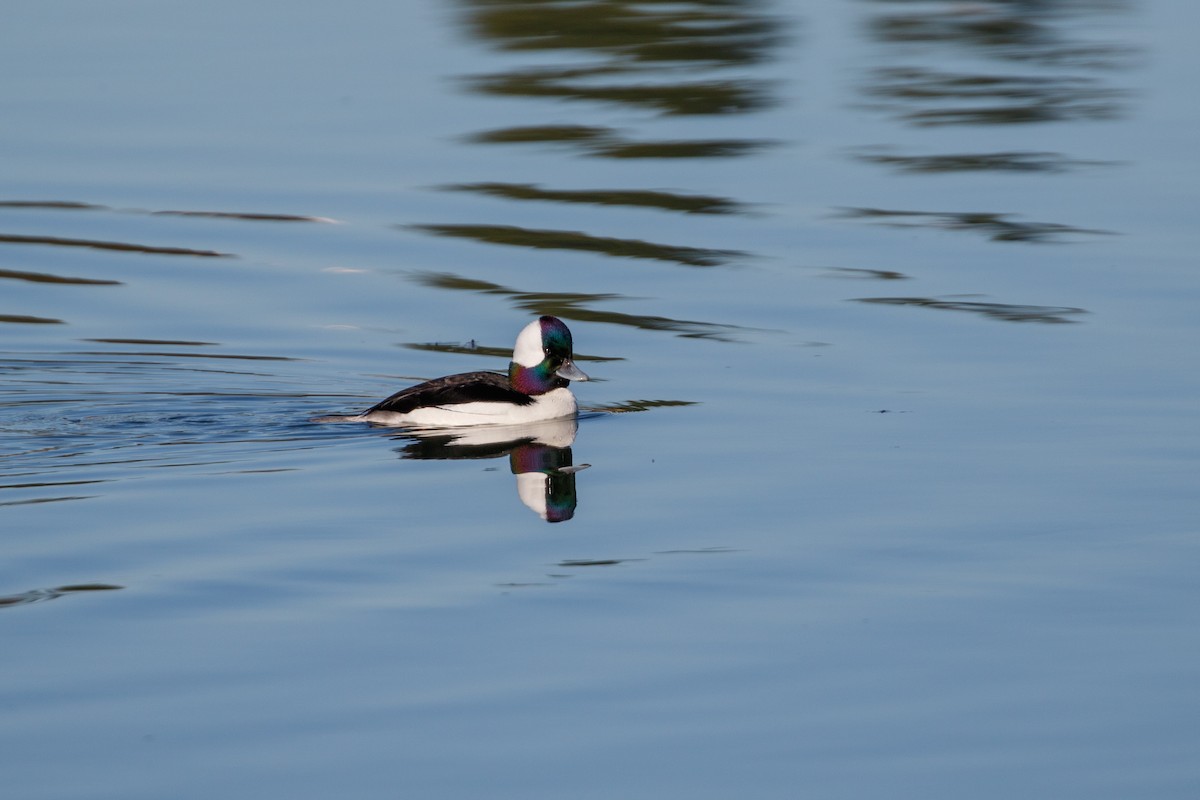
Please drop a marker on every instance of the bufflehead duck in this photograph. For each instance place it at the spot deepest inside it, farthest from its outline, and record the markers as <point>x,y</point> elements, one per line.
<point>535,389</point>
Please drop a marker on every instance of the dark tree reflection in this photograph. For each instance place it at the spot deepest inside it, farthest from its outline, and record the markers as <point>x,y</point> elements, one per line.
<point>581,307</point>
<point>610,143</point>
<point>669,58</point>
<point>1006,312</point>
<point>657,58</point>
<point>998,63</point>
<point>1003,161</point>
<point>645,52</point>
<point>577,240</point>
<point>935,97</point>
<point>997,227</point>
<point>633,198</point>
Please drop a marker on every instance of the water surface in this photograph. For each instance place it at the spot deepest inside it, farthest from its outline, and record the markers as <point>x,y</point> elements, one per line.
<point>885,485</point>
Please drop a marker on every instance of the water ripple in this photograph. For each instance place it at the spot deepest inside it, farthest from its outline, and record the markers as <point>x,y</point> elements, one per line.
<point>1002,311</point>
<point>45,277</point>
<point>610,143</point>
<point>26,319</point>
<point>41,595</point>
<point>636,198</point>
<point>97,244</point>
<point>998,227</point>
<point>576,240</point>
<point>1003,161</point>
<point>575,306</point>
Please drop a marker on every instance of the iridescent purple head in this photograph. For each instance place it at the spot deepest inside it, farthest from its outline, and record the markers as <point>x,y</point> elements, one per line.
<point>542,359</point>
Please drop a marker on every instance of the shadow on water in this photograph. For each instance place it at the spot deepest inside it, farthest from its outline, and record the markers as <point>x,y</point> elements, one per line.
<point>576,307</point>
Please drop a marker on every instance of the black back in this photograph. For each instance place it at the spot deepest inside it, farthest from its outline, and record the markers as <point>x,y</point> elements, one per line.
<point>468,387</point>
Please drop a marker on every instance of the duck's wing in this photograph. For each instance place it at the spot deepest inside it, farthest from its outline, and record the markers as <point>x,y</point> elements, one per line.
<point>468,387</point>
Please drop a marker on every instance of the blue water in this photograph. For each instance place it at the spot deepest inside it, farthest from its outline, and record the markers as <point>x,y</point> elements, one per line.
<point>889,466</point>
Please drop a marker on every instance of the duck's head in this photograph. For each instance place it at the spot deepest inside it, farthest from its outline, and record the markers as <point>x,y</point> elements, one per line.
<point>542,358</point>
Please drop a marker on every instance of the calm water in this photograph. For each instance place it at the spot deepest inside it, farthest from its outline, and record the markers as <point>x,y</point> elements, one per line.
<point>889,481</point>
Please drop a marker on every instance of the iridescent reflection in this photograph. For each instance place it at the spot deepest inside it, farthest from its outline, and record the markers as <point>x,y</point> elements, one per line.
<point>539,457</point>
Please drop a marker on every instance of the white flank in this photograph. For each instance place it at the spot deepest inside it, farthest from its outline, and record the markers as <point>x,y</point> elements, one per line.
<point>551,405</point>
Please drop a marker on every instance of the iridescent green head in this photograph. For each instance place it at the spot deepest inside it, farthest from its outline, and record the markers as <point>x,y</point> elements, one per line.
<point>542,358</point>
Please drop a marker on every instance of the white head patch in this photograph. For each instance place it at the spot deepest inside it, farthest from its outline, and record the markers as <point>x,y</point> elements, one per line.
<point>528,350</point>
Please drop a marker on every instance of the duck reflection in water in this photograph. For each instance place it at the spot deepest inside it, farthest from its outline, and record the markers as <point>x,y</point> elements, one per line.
<point>539,455</point>
<point>528,415</point>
